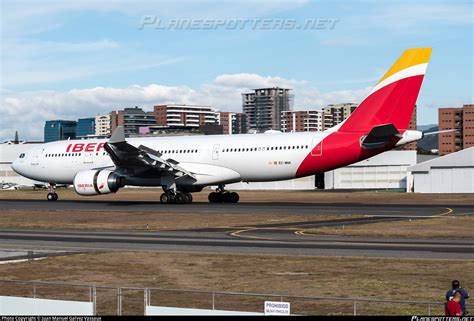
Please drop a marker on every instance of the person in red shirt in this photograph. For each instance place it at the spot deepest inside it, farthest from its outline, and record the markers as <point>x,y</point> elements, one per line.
<point>453,308</point>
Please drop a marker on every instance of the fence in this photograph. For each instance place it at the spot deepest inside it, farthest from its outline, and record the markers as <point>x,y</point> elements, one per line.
<point>108,299</point>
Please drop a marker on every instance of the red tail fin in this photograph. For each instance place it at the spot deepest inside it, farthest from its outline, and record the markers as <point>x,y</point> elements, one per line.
<point>394,97</point>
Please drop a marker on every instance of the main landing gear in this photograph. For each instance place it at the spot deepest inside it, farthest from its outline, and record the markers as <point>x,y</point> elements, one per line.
<point>170,197</point>
<point>223,196</point>
<point>52,195</point>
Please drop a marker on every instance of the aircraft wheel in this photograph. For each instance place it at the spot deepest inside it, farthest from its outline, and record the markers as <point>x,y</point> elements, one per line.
<point>235,197</point>
<point>165,198</point>
<point>180,198</point>
<point>52,197</point>
<point>188,197</point>
<point>215,197</point>
<point>228,197</point>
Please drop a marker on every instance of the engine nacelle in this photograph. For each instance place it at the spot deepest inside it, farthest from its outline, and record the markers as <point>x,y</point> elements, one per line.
<point>95,182</point>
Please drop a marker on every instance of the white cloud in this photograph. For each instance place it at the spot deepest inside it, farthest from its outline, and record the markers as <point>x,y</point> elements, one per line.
<point>246,80</point>
<point>27,111</point>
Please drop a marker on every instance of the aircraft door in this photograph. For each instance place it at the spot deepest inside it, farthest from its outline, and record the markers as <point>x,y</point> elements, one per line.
<point>317,146</point>
<point>215,152</point>
<point>35,159</point>
<point>88,158</point>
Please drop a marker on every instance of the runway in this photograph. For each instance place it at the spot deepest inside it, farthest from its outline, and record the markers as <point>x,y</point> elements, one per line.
<point>277,238</point>
<point>251,208</point>
<point>263,239</point>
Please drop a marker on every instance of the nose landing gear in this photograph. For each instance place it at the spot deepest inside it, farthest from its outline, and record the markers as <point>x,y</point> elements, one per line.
<point>52,195</point>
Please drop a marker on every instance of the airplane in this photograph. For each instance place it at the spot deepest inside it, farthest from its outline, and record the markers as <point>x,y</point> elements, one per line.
<point>186,164</point>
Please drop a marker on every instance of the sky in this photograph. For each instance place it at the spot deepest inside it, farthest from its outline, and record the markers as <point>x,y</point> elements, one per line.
<point>73,59</point>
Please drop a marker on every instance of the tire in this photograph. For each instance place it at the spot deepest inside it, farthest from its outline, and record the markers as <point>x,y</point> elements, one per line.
<point>165,198</point>
<point>235,197</point>
<point>189,198</point>
<point>180,198</point>
<point>215,197</point>
<point>228,197</point>
<point>52,197</point>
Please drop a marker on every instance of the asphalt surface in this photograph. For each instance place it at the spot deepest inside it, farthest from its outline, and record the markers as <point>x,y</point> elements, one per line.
<point>278,238</point>
<point>254,208</point>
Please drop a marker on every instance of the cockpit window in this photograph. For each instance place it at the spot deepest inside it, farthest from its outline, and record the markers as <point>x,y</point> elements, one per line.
<point>22,155</point>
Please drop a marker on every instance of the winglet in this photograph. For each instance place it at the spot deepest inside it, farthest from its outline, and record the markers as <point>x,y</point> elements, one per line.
<point>118,136</point>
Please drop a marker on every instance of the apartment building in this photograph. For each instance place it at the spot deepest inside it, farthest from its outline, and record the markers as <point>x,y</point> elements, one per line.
<point>131,119</point>
<point>232,123</point>
<point>181,116</point>
<point>462,120</point>
<point>301,121</point>
<point>263,107</point>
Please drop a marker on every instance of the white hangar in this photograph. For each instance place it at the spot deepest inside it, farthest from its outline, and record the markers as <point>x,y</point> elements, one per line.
<point>452,173</point>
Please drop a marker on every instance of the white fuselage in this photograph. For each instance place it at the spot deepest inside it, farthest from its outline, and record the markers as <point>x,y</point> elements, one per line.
<point>252,157</point>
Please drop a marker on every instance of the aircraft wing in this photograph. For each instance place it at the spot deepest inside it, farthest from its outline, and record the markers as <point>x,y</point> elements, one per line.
<point>141,158</point>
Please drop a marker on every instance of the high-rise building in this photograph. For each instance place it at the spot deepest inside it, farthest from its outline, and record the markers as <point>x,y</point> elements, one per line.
<point>335,113</point>
<point>461,119</point>
<point>301,121</point>
<point>131,119</point>
<point>102,125</point>
<point>233,123</point>
<point>85,127</point>
<point>181,116</point>
<point>263,107</point>
<point>59,130</point>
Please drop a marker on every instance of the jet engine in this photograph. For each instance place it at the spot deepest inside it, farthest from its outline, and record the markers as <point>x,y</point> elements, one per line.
<point>96,182</point>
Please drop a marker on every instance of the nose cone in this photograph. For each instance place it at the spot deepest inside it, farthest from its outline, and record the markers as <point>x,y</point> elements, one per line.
<point>16,166</point>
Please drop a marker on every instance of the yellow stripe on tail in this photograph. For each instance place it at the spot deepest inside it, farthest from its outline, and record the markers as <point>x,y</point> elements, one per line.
<point>411,57</point>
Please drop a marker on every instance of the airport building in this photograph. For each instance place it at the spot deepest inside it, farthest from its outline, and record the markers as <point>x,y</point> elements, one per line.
<point>451,173</point>
<point>131,119</point>
<point>301,121</point>
<point>264,106</point>
<point>85,127</point>
<point>384,171</point>
<point>232,123</point>
<point>9,151</point>
<point>460,119</point>
<point>102,125</point>
<point>59,130</point>
<point>181,116</point>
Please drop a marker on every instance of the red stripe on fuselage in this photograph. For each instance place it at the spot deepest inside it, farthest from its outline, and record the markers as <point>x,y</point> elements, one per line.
<point>392,104</point>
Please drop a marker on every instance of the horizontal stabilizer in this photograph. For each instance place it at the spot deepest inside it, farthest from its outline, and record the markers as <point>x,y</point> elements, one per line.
<point>380,136</point>
<point>440,132</point>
